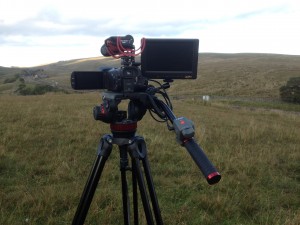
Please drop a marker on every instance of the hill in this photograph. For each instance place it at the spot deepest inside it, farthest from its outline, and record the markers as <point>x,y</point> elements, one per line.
<point>239,75</point>
<point>243,75</point>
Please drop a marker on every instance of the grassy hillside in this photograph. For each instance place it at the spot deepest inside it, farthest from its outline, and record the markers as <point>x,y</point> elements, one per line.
<point>239,75</point>
<point>8,73</point>
<point>242,75</point>
<point>48,144</point>
<point>56,73</point>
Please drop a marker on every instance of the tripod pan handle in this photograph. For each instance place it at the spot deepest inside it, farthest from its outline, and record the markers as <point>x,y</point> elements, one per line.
<point>207,168</point>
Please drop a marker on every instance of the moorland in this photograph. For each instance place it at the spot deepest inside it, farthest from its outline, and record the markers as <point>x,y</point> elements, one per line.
<point>48,144</point>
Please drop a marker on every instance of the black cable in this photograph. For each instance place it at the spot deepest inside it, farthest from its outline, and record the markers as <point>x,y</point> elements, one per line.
<point>155,108</point>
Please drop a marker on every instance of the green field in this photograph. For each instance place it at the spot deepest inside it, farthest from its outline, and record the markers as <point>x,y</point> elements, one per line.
<point>48,144</point>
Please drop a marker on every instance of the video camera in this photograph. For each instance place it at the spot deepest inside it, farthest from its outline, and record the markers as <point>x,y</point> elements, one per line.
<point>166,59</point>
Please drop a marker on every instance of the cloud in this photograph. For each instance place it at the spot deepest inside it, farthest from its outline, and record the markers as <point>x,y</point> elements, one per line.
<point>158,20</point>
<point>221,26</point>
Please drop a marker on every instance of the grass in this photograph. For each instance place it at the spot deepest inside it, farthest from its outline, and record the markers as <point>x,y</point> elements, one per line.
<point>48,144</point>
<point>262,104</point>
<point>240,75</point>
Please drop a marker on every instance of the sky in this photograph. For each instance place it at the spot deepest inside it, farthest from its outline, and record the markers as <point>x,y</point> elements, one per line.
<point>35,32</point>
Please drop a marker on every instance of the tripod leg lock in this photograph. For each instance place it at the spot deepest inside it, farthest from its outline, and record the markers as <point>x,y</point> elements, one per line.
<point>105,146</point>
<point>137,148</point>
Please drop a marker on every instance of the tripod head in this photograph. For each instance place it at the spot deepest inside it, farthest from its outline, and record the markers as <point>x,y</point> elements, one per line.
<point>139,103</point>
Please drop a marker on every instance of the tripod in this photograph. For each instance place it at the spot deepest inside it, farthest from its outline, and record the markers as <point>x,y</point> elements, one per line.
<point>123,130</point>
<point>123,135</point>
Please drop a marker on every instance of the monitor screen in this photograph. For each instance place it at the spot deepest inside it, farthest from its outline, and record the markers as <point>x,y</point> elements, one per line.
<point>170,58</point>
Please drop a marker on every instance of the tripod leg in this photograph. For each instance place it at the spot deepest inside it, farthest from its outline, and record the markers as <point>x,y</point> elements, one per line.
<point>104,150</point>
<point>142,187</point>
<point>135,197</point>
<point>125,197</point>
<point>139,152</point>
<point>152,191</point>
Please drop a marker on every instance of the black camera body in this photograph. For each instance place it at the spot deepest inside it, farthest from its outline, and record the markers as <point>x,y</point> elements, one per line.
<point>125,79</point>
<point>166,59</point>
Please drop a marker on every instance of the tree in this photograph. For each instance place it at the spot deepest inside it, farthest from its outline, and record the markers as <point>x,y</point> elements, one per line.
<point>291,91</point>
<point>35,90</point>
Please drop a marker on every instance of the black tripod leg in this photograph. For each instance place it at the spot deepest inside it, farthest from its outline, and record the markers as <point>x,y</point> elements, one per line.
<point>152,192</point>
<point>142,187</point>
<point>139,151</point>
<point>125,198</point>
<point>104,150</point>
<point>135,197</point>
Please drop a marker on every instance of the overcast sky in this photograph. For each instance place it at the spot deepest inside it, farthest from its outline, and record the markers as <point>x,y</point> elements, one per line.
<point>34,32</point>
